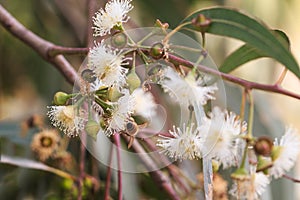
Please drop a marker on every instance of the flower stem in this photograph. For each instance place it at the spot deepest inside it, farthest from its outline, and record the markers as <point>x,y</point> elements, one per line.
<point>166,39</point>
<point>251,115</point>
<point>118,144</point>
<point>242,109</point>
<point>108,176</point>
<point>281,77</point>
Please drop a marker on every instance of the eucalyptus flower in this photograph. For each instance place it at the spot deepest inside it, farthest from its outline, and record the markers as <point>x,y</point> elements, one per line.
<point>114,14</point>
<point>120,114</point>
<point>285,154</point>
<point>186,90</point>
<point>144,104</point>
<point>69,119</point>
<point>106,64</point>
<point>220,133</point>
<point>184,144</point>
<point>251,188</point>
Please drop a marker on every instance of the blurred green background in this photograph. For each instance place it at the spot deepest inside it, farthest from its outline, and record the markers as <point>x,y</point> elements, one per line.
<point>27,83</point>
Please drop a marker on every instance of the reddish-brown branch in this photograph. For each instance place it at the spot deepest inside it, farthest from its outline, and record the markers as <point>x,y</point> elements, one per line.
<point>38,44</point>
<point>81,165</point>
<point>291,178</point>
<point>118,146</point>
<point>248,85</point>
<point>160,178</point>
<point>172,169</point>
<point>108,176</point>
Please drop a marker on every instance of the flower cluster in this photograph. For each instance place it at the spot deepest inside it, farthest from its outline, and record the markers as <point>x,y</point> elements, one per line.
<point>217,138</point>
<point>113,99</point>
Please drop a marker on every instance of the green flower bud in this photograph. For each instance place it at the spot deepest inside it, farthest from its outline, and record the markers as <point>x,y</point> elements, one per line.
<point>133,81</point>
<point>201,23</point>
<point>67,184</point>
<point>119,40</point>
<point>157,51</point>
<point>92,128</point>
<point>60,98</point>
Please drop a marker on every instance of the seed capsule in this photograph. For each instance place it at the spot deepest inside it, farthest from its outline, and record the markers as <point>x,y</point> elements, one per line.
<point>263,146</point>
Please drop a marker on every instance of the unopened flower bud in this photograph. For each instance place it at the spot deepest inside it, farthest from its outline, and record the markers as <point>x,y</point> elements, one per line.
<point>119,40</point>
<point>157,51</point>
<point>92,128</point>
<point>263,146</point>
<point>60,98</point>
<point>133,81</point>
<point>201,23</point>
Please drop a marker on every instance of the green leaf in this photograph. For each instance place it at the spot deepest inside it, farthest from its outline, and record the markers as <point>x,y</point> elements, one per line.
<point>247,53</point>
<point>231,23</point>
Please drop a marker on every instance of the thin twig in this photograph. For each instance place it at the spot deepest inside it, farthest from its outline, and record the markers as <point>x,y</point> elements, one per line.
<point>291,178</point>
<point>92,7</point>
<point>57,50</point>
<point>116,138</point>
<point>244,83</point>
<point>172,169</point>
<point>282,76</point>
<point>108,175</point>
<point>160,178</point>
<point>81,165</point>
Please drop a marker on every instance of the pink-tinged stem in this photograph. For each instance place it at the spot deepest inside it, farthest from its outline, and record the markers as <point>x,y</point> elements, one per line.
<point>116,138</point>
<point>108,176</point>
<point>157,175</point>
<point>248,85</point>
<point>81,166</point>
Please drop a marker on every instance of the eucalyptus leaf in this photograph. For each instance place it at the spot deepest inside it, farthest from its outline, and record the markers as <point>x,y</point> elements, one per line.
<point>248,53</point>
<point>234,24</point>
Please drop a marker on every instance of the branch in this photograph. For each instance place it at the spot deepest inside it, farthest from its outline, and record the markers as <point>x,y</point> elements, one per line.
<point>38,44</point>
<point>248,85</point>
<point>157,175</point>
<point>291,178</point>
<point>108,176</point>
<point>116,138</point>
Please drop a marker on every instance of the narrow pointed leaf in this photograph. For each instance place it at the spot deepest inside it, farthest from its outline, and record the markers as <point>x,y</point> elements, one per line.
<point>248,53</point>
<point>234,24</point>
